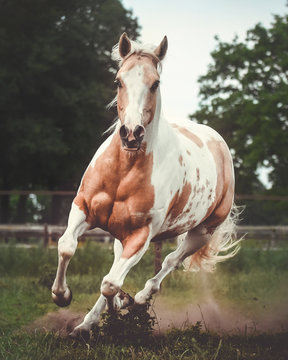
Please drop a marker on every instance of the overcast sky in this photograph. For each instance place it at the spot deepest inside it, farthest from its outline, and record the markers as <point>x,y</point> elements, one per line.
<point>191,26</point>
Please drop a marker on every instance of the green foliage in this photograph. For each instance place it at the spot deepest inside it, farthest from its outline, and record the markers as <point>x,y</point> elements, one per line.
<point>250,258</point>
<point>244,97</point>
<point>56,78</point>
<point>27,262</point>
<point>15,261</point>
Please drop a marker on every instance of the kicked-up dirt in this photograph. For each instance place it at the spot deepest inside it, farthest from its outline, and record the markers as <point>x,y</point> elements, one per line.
<point>214,317</point>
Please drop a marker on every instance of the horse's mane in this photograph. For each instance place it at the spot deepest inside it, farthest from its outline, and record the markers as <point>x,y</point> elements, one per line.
<point>138,49</point>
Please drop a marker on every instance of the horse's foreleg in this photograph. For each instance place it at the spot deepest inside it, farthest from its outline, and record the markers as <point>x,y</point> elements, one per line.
<point>192,241</point>
<point>121,299</point>
<point>67,245</point>
<point>93,317</point>
<point>133,250</point>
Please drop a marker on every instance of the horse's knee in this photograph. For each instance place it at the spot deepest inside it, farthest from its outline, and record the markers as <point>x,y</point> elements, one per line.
<point>67,246</point>
<point>109,289</point>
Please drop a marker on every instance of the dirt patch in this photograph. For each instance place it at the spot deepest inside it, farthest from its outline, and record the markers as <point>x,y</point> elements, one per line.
<point>220,319</point>
<point>62,321</point>
<point>216,318</point>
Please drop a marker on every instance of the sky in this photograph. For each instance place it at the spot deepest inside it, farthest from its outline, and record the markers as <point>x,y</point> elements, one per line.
<point>191,26</point>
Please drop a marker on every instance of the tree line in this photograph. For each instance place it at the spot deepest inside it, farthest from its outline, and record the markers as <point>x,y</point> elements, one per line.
<point>244,96</point>
<point>56,77</point>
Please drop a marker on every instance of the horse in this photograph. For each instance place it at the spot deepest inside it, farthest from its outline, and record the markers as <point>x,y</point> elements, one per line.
<point>150,180</point>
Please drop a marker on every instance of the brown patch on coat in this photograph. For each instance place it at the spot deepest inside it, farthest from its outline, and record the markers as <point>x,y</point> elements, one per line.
<point>134,242</point>
<point>178,202</point>
<point>174,212</point>
<point>122,102</point>
<point>170,233</point>
<point>141,57</point>
<point>117,195</point>
<point>224,193</point>
<point>189,135</point>
<point>198,174</point>
<point>181,160</point>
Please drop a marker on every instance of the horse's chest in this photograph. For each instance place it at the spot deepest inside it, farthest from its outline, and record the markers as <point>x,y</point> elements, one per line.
<point>130,209</point>
<point>125,206</point>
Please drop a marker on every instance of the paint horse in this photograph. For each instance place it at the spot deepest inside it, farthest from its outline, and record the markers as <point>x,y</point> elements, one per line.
<point>150,180</point>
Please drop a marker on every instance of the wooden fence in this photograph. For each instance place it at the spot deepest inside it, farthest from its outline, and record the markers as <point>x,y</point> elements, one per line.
<point>73,193</point>
<point>51,233</point>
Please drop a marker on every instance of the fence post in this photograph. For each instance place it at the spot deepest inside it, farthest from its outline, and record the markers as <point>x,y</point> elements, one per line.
<point>157,256</point>
<point>46,236</point>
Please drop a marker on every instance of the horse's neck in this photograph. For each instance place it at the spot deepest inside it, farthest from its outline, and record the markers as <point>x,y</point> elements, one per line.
<point>158,131</point>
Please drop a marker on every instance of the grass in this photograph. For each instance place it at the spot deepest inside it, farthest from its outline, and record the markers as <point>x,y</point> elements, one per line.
<point>254,281</point>
<point>177,344</point>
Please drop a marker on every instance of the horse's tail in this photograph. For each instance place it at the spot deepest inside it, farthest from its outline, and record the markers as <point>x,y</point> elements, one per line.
<point>222,246</point>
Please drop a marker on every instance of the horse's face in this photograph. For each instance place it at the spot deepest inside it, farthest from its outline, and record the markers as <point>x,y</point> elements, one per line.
<point>137,82</point>
<point>138,90</point>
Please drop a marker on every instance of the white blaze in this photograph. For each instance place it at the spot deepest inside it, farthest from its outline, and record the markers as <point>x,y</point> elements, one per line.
<point>137,93</point>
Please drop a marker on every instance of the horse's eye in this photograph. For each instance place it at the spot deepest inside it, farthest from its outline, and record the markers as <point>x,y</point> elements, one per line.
<point>155,86</point>
<point>118,83</point>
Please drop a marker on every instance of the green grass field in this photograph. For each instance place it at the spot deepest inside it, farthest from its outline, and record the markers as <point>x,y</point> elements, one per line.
<point>254,283</point>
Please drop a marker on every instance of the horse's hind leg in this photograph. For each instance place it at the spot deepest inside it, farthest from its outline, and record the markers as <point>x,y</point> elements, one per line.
<point>192,241</point>
<point>67,244</point>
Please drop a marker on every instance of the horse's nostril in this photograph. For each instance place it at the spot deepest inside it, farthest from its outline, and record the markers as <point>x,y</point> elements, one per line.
<point>124,132</point>
<point>139,132</point>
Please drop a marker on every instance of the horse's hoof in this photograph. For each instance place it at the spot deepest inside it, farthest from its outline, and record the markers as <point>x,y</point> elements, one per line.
<point>80,334</point>
<point>127,300</point>
<point>63,300</point>
<point>140,305</point>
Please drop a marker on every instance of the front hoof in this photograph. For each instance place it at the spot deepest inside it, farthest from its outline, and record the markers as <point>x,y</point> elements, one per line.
<point>64,299</point>
<point>127,300</point>
<point>80,334</point>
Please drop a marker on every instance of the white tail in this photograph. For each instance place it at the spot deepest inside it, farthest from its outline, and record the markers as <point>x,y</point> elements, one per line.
<point>222,246</point>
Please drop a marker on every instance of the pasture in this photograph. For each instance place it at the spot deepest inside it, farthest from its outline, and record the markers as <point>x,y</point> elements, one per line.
<point>238,312</point>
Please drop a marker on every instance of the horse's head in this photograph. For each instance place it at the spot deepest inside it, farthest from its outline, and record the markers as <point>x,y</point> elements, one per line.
<point>137,81</point>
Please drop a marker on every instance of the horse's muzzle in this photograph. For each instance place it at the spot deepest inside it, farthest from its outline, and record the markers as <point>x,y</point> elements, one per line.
<point>131,141</point>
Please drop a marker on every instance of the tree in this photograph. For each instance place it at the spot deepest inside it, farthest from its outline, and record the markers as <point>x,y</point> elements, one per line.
<point>56,77</point>
<point>244,97</point>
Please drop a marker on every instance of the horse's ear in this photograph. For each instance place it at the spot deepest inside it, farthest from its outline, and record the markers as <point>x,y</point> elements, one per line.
<point>124,45</point>
<point>161,50</point>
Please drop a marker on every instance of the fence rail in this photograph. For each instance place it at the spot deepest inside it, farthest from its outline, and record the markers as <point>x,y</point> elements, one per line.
<point>51,233</point>
<point>74,192</point>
